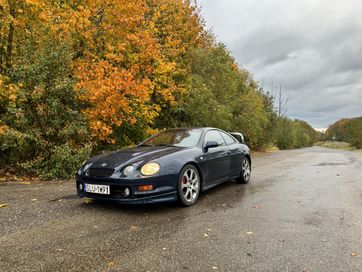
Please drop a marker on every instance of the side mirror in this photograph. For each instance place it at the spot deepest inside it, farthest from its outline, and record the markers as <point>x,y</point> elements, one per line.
<point>210,144</point>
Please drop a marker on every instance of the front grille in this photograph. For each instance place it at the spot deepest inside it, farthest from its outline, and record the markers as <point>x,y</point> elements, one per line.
<point>100,172</point>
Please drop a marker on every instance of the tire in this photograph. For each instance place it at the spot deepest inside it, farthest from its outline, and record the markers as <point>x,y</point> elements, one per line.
<point>189,185</point>
<point>245,172</point>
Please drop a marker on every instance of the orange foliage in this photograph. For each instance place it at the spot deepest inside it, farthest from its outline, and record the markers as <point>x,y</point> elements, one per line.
<point>130,57</point>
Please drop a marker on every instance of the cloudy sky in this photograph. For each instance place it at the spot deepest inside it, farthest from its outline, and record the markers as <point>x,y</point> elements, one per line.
<point>313,48</point>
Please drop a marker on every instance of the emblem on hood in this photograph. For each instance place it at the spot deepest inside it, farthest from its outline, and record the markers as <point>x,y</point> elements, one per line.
<point>104,164</point>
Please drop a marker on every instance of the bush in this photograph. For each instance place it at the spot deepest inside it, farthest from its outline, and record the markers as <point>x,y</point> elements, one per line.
<point>44,131</point>
<point>61,162</point>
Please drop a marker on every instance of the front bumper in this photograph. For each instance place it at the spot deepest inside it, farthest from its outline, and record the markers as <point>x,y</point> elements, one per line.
<point>164,189</point>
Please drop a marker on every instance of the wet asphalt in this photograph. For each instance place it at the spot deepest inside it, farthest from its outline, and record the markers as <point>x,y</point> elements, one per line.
<point>302,211</point>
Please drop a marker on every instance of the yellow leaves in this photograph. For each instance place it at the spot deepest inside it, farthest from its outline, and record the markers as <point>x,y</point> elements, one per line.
<point>43,16</point>
<point>101,130</point>
<point>131,54</point>
<point>88,201</point>
<point>113,92</point>
<point>110,264</point>
<point>8,92</point>
<point>135,228</point>
<point>151,25</point>
<point>3,129</point>
<point>32,2</point>
<point>151,131</point>
<point>25,182</point>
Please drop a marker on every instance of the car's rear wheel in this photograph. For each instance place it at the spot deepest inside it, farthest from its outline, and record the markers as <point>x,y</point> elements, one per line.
<point>189,185</point>
<point>245,171</point>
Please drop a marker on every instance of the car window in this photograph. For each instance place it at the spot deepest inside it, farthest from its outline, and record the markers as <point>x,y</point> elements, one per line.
<point>176,137</point>
<point>214,135</point>
<point>228,139</point>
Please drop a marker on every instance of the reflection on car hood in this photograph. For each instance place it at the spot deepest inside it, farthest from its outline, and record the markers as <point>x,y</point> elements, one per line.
<point>131,155</point>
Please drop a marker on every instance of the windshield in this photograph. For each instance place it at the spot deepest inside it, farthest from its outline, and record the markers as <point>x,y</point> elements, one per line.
<point>175,137</point>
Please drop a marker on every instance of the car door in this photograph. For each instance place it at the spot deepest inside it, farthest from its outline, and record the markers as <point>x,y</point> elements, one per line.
<point>235,153</point>
<point>217,161</point>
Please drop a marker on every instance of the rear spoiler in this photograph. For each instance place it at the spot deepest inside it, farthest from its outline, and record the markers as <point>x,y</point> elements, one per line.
<point>238,136</point>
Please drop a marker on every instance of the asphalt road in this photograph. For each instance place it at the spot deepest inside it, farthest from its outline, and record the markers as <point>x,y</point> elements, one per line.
<point>302,211</point>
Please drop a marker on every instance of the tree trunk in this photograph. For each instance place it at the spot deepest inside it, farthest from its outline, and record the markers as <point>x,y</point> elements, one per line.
<point>2,51</point>
<point>9,48</point>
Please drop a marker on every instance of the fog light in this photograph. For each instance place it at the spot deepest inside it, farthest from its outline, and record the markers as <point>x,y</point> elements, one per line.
<point>143,188</point>
<point>81,186</point>
<point>126,192</point>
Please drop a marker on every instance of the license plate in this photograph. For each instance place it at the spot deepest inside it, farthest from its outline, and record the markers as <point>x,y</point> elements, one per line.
<point>97,189</point>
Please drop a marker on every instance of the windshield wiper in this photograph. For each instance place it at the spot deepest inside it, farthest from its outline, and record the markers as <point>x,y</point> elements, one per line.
<point>164,145</point>
<point>145,145</point>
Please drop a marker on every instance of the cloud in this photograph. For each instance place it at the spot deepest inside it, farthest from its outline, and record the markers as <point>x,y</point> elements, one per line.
<point>313,48</point>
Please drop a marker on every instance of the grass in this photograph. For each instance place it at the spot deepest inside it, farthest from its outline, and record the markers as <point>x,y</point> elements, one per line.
<point>338,145</point>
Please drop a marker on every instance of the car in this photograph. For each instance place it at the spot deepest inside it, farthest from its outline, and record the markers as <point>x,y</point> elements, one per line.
<point>173,165</point>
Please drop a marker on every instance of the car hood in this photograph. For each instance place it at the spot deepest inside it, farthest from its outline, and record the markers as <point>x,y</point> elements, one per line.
<point>132,155</point>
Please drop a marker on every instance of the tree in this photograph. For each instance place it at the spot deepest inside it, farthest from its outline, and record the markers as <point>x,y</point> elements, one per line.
<point>16,18</point>
<point>42,116</point>
<point>347,130</point>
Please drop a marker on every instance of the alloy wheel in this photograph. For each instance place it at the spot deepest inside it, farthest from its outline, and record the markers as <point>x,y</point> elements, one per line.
<point>246,169</point>
<point>190,185</point>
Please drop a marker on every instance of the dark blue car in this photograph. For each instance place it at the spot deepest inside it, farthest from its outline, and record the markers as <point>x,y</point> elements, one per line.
<point>173,165</point>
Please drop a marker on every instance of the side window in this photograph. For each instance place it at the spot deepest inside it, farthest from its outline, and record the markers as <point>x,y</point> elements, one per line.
<point>229,140</point>
<point>215,136</point>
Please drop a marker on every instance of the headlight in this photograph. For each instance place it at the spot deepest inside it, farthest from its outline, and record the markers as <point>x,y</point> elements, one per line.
<point>150,168</point>
<point>84,167</point>
<point>128,170</point>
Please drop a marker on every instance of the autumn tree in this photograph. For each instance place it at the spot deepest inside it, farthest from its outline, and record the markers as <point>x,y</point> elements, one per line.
<point>79,77</point>
<point>129,58</point>
<point>18,21</point>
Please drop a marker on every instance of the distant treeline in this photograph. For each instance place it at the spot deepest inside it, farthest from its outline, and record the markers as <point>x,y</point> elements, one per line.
<point>346,130</point>
<point>80,77</point>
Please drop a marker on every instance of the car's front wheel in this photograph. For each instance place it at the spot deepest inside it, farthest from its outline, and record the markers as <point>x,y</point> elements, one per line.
<point>245,171</point>
<point>189,185</point>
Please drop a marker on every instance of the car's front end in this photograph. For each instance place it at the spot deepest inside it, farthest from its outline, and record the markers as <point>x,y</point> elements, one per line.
<point>135,183</point>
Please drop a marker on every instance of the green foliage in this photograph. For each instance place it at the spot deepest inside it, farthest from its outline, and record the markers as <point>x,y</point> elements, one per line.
<point>200,100</point>
<point>294,134</point>
<point>77,82</point>
<point>335,145</point>
<point>284,135</point>
<point>62,161</point>
<point>347,130</point>
<point>43,118</point>
<point>224,96</point>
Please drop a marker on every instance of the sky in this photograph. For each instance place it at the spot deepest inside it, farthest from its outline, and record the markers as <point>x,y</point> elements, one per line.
<point>312,48</point>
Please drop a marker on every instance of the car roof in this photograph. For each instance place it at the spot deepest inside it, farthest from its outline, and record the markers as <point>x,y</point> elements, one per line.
<point>203,128</point>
